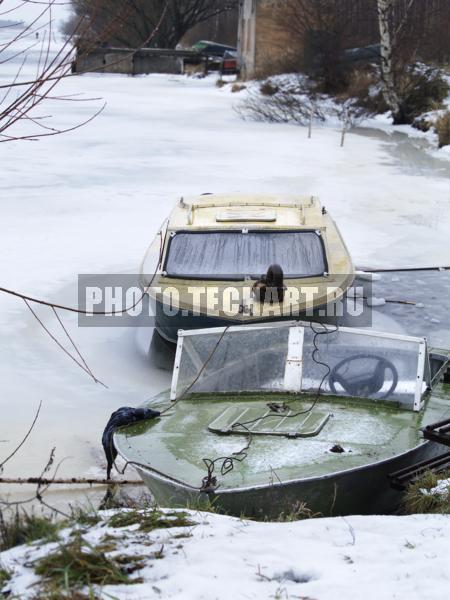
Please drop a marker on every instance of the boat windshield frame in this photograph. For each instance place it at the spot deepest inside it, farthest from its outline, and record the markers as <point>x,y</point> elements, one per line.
<point>244,230</point>
<point>294,355</point>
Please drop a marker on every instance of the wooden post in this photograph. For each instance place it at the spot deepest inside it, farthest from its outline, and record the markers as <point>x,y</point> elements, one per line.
<point>345,125</point>
<point>344,131</point>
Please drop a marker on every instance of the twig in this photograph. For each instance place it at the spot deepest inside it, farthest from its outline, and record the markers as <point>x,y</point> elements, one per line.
<point>352,531</point>
<point>76,349</point>
<point>66,481</point>
<point>409,302</point>
<point>79,311</point>
<point>58,343</point>
<point>3,463</point>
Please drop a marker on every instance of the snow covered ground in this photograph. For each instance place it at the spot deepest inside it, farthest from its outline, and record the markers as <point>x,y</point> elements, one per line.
<point>223,558</point>
<point>295,85</point>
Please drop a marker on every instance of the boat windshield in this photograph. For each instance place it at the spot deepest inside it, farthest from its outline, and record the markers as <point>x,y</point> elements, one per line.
<point>282,357</point>
<point>233,255</point>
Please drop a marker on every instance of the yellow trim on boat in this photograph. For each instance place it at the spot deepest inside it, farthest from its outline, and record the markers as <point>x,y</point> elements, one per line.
<point>293,213</point>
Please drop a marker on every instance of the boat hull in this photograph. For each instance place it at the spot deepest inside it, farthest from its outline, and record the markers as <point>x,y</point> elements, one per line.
<point>363,490</point>
<point>168,325</point>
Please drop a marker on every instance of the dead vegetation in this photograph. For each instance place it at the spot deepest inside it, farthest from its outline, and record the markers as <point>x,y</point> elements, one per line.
<point>299,512</point>
<point>238,87</point>
<point>77,565</point>
<point>422,498</point>
<point>421,89</point>
<point>148,520</point>
<point>363,86</point>
<point>22,528</point>
<point>73,567</point>
<point>280,100</point>
<point>442,128</point>
<point>299,99</point>
<point>5,576</point>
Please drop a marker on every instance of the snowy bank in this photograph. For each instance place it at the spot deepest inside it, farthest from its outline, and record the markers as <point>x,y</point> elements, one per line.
<point>222,558</point>
<point>327,111</point>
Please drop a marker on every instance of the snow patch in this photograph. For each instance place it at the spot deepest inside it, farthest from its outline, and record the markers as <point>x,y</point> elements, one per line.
<point>367,276</point>
<point>441,489</point>
<point>374,301</point>
<point>221,557</point>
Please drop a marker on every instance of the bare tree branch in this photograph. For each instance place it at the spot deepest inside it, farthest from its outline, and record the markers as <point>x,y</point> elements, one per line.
<point>142,16</point>
<point>27,435</point>
<point>22,95</point>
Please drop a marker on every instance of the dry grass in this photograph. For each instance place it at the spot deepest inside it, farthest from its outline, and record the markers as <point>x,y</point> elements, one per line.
<point>422,124</point>
<point>417,501</point>
<point>84,516</point>
<point>363,85</point>
<point>150,520</point>
<point>238,87</point>
<point>23,528</point>
<point>284,106</point>
<point>5,576</point>
<point>268,88</point>
<point>66,595</point>
<point>78,565</point>
<point>298,512</point>
<point>359,83</point>
<point>420,90</point>
<point>442,128</point>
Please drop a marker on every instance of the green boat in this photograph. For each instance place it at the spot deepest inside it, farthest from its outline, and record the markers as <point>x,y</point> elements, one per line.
<point>268,419</point>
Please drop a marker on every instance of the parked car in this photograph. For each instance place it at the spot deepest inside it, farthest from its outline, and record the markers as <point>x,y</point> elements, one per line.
<point>214,57</point>
<point>212,49</point>
<point>230,65</point>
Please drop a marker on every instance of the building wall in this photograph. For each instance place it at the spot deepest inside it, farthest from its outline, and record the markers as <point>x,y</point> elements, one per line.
<point>274,52</point>
<point>247,38</point>
<point>126,62</point>
<point>266,48</point>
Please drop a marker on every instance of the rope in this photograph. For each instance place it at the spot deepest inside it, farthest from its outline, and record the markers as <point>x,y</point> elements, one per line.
<point>407,270</point>
<point>209,482</point>
<point>82,362</point>
<point>199,374</point>
<point>79,311</point>
<point>174,403</point>
<point>282,415</point>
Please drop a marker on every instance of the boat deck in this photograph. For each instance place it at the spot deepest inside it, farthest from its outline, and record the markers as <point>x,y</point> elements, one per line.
<point>277,448</point>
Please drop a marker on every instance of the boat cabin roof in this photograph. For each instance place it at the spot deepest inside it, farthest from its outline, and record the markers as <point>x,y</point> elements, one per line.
<point>234,211</point>
<point>308,358</point>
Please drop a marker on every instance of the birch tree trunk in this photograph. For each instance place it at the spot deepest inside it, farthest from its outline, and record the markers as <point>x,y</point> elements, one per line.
<point>387,63</point>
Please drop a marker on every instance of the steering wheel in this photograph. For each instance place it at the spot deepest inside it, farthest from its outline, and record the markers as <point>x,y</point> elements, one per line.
<point>363,384</point>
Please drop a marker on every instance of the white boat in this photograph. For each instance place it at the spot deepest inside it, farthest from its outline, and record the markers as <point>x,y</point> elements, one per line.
<point>244,259</point>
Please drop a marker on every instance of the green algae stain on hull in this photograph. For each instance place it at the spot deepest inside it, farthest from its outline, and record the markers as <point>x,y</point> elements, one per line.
<point>370,433</point>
